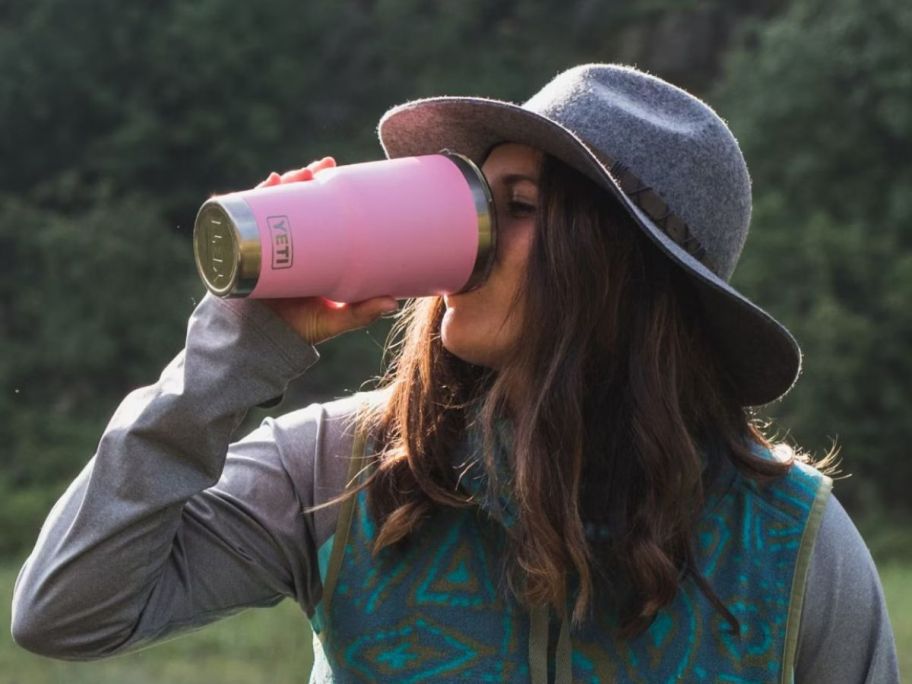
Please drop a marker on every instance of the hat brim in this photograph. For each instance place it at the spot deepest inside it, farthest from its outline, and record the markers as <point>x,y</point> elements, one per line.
<point>762,356</point>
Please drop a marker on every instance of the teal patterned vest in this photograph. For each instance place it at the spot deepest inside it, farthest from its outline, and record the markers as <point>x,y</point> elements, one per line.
<point>437,610</point>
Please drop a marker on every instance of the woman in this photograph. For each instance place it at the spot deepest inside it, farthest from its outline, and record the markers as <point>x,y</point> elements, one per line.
<point>560,478</point>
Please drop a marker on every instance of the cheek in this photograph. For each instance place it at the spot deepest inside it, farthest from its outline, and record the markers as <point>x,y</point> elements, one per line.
<point>515,256</point>
<point>514,243</point>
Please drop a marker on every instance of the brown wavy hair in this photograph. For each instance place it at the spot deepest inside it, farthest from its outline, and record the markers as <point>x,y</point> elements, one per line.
<point>626,392</point>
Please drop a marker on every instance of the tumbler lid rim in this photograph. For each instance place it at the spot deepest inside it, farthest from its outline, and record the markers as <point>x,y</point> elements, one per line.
<point>226,246</point>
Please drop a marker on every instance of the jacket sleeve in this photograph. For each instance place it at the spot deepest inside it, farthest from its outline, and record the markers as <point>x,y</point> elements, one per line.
<point>845,635</point>
<point>168,526</point>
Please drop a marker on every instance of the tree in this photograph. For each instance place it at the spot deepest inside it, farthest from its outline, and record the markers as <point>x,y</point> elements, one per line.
<point>821,101</point>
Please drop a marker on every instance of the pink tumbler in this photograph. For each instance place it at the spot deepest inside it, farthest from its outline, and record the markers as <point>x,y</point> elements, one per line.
<point>407,227</point>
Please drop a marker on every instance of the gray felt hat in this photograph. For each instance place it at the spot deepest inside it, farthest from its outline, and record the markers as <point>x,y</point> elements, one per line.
<point>665,155</point>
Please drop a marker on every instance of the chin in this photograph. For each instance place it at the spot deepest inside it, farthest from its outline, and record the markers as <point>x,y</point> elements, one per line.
<point>452,344</point>
<point>470,351</point>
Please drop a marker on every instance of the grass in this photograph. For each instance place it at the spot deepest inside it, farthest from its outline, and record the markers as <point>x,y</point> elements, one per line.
<point>274,646</point>
<point>897,581</point>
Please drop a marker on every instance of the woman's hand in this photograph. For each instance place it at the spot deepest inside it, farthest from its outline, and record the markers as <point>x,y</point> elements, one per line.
<point>302,174</point>
<point>318,319</point>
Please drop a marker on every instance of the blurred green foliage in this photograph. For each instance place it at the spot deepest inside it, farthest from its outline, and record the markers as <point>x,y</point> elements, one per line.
<point>822,105</point>
<point>120,119</point>
<point>95,306</point>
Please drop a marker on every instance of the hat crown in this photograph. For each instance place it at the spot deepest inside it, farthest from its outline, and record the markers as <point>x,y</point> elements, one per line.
<point>670,140</point>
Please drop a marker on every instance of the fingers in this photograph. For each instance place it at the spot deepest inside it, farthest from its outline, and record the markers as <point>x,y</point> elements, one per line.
<point>365,312</point>
<point>305,173</point>
<point>318,319</point>
<point>273,179</point>
<point>297,175</point>
<point>325,163</point>
<point>308,172</point>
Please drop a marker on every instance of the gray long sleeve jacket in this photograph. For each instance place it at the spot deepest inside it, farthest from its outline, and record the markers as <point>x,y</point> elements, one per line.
<point>170,526</point>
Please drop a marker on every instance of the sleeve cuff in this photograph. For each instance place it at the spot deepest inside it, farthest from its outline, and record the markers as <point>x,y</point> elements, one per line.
<point>297,353</point>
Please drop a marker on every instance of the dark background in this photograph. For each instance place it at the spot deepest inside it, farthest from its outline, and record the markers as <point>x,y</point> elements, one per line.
<point>118,119</point>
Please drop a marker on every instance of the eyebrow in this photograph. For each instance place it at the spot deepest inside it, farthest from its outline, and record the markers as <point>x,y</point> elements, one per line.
<point>512,178</point>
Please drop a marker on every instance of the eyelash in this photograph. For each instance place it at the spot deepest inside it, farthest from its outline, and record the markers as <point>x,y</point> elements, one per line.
<point>520,207</point>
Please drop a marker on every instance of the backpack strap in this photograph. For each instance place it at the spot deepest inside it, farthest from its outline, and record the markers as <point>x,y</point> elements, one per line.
<point>343,526</point>
<point>799,579</point>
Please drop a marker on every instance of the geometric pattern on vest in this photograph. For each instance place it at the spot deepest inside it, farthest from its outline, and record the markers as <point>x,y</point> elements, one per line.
<point>435,612</point>
<point>751,551</point>
<point>439,611</point>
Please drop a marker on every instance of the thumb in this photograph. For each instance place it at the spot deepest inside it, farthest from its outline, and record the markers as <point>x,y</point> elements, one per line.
<point>365,312</point>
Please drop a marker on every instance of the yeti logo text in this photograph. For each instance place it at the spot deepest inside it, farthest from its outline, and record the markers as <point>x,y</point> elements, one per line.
<point>281,241</point>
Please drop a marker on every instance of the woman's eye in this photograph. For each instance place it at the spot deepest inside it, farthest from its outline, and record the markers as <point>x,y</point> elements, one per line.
<point>521,208</point>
